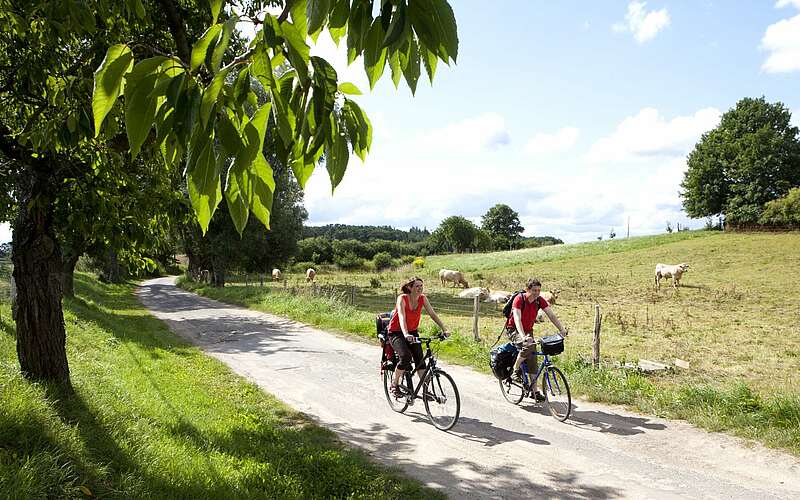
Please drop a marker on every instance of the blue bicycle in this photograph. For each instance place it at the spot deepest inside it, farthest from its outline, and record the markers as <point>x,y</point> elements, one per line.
<point>552,381</point>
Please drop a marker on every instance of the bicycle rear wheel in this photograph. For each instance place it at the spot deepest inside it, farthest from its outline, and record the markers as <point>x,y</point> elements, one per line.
<point>512,391</point>
<point>398,405</point>
<point>556,391</point>
<point>442,402</point>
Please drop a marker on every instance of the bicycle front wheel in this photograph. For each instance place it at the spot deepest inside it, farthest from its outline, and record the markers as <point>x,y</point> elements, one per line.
<point>512,391</point>
<point>556,391</point>
<point>398,405</point>
<point>442,402</point>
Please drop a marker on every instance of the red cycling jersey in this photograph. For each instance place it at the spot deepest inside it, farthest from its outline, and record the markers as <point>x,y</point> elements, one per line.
<point>529,312</point>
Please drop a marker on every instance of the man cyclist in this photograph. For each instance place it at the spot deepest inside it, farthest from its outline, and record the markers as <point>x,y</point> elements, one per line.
<point>519,329</point>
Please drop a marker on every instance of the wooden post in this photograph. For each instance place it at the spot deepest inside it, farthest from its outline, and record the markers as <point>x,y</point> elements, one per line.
<point>285,284</point>
<point>352,295</point>
<point>476,309</point>
<point>261,279</point>
<point>596,343</point>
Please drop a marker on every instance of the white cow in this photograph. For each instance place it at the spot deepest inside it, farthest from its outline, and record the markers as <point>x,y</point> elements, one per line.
<point>310,274</point>
<point>499,296</point>
<point>276,274</point>
<point>456,277</point>
<point>471,293</point>
<point>670,271</point>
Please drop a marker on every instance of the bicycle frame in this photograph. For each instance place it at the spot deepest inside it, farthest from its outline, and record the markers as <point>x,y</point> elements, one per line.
<point>429,360</point>
<point>526,381</point>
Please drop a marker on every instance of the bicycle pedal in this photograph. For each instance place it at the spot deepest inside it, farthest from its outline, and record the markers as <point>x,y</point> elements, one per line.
<point>410,401</point>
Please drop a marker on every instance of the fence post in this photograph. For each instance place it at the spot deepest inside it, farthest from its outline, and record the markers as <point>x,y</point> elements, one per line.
<point>598,319</point>
<point>285,284</point>
<point>476,309</point>
<point>352,295</point>
<point>261,279</point>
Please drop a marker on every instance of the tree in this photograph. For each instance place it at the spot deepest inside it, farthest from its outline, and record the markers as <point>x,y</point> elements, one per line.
<point>457,233</point>
<point>784,212</point>
<point>502,223</point>
<point>181,101</point>
<point>749,159</point>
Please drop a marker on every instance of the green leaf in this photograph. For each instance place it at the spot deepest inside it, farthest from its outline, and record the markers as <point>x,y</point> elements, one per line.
<point>374,53</point>
<point>228,135</point>
<point>263,189</point>
<point>435,25</point>
<point>409,61</point>
<point>349,88</point>
<point>210,95</point>
<point>301,168</point>
<point>261,67</point>
<point>394,64</point>
<point>204,186</point>
<point>336,156</point>
<point>337,22</point>
<point>299,19</point>
<point>201,48</point>
<point>398,27</point>
<point>222,44</point>
<point>298,51</point>
<point>359,23</point>
<point>237,205</point>
<point>316,12</point>
<point>429,58</point>
<point>359,128</point>
<point>140,106</point>
<point>216,6</point>
<point>109,82</point>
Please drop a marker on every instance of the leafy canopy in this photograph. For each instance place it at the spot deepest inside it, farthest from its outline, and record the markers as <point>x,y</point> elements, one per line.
<point>204,111</point>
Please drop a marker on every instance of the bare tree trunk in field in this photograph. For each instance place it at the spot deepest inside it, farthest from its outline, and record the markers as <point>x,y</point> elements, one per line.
<point>41,337</point>
<point>68,274</point>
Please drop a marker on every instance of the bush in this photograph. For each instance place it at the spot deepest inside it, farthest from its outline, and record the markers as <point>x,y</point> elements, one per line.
<point>419,263</point>
<point>348,260</point>
<point>374,283</point>
<point>407,259</point>
<point>382,260</point>
<point>783,211</point>
<point>302,267</point>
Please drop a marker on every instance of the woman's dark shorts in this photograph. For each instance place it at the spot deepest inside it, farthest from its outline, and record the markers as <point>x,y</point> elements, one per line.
<point>407,351</point>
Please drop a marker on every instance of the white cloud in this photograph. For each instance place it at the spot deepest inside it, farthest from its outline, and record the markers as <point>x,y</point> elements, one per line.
<point>784,3</point>
<point>486,132</point>
<point>5,232</point>
<point>644,25</point>
<point>782,41</point>
<point>648,134</point>
<point>561,140</point>
<point>796,116</point>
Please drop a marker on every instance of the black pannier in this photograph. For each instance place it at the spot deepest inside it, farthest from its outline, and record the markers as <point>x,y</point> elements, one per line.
<point>501,360</point>
<point>552,345</point>
<point>388,360</point>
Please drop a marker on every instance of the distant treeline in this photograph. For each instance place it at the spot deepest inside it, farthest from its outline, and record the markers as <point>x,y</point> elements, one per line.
<point>540,241</point>
<point>365,233</point>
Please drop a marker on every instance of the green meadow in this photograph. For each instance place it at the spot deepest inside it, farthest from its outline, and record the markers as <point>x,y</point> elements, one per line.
<point>734,320</point>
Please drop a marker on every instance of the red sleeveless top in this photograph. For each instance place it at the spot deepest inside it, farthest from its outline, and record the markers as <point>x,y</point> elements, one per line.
<point>412,316</point>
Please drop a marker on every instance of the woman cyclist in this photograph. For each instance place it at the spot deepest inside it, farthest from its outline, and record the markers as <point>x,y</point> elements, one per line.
<point>403,332</point>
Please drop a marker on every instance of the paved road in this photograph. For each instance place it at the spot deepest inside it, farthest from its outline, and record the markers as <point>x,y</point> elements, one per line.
<point>496,450</point>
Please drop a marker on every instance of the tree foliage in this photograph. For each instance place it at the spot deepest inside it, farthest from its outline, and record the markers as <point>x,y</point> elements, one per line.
<point>365,233</point>
<point>502,224</point>
<point>456,233</point>
<point>752,157</point>
<point>783,212</point>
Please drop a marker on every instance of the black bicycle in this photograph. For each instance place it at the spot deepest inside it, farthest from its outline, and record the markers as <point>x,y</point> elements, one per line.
<point>439,391</point>
<point>553,382</point>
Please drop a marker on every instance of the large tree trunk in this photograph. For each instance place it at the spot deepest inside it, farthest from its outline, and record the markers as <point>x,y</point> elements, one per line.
<point>218,272</point>
<point>41,337</point>
<point>112,272</point>
<point>68,274</point>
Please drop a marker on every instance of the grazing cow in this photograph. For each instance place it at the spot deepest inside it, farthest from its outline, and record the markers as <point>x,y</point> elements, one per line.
<point>456,277</point>
<point>276,274</point>
<point>310,274</point>
<point>499,296</point>
<point>471,293</point>
<point>667,271</point>
<point>551,296</point>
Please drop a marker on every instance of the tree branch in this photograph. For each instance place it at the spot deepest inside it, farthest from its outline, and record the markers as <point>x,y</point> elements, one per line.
<point>285,14</point>
<point>177,28</point>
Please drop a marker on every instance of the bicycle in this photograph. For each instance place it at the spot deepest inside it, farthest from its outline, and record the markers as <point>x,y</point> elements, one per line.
<point>439,391</point>
<point>553,383</point>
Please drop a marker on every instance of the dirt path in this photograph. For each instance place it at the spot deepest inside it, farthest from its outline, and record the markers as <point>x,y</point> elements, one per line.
<point>496,450</point>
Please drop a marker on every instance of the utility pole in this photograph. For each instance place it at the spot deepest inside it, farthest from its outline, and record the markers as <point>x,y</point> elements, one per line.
<point>629,227</point>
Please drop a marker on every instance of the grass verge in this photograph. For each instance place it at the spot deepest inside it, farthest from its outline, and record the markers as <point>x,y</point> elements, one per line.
<point>152,417</point>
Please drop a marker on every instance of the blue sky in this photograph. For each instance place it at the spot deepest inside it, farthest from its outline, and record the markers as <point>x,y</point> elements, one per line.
<point>578,115</point>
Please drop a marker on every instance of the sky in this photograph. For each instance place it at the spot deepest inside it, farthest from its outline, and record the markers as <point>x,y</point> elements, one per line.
<point>578,115</point>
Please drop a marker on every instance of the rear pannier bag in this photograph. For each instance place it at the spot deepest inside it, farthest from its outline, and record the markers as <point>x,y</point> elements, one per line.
<point>501,360</point>
<point>552,345</point>
<point>382,326</point>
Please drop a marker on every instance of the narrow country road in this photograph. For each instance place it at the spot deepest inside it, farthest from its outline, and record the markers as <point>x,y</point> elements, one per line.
<point>496,450</point>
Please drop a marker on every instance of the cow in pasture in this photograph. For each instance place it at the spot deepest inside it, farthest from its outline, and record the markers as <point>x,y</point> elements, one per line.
<point>456,277</point>
<point>670,271</point>
<point>471,293</point>
<point>276,274</point>
<point>499,296</point>
<point>310,274</point>
<point>551,296</point>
